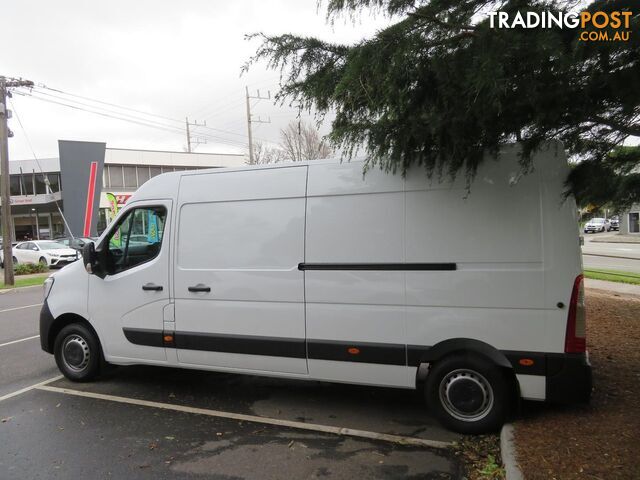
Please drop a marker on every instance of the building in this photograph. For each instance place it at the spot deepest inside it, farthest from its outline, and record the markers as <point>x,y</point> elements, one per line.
<point>630,220</point>
<point>82,181</point>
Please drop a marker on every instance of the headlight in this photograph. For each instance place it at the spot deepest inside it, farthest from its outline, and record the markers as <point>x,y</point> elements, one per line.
<point>48,283</point>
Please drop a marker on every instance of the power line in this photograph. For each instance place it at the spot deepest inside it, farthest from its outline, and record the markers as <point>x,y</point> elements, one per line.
<point>39,92</point>
<point>40,85</point>
<point>222,104</point>
<point>134,120</point>
<point>120,107</point>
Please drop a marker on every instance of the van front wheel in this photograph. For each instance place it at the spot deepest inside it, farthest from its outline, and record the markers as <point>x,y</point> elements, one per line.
<point>468,394</point>
<point>77,353</point>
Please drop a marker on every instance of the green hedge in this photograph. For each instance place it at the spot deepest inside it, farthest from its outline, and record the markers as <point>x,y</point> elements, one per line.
<point>29,268</point>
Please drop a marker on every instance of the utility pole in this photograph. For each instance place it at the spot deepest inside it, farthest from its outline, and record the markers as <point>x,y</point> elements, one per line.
<point>188,135</point>
<point>5,183</point>
<point>191,141</point>
<point>251,120</point>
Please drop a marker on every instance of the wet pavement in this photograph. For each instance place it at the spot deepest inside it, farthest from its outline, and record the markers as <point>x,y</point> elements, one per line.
<point>56,433</point>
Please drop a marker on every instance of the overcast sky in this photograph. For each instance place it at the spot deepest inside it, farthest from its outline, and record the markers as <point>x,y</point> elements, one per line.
<point>161,56</point>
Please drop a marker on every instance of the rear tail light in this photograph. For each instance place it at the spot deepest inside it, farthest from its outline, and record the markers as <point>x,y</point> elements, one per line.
<point>576,339</point>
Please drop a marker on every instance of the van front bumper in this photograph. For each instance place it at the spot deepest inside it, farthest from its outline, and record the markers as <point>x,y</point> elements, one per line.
<point>569,378</point>
<point>46,320</point>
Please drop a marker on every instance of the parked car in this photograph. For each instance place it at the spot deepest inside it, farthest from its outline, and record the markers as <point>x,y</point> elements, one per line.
<point>48,252</point>
<point>77,243</point>
<point>615,223</point>
<point>597,225</point>
<point>312,271</point>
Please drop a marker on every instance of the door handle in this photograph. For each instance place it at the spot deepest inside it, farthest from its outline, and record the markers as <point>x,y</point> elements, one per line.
<point>152,287</point>
<point>199,288</point>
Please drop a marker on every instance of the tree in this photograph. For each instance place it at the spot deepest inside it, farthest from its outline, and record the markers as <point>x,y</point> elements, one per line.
<point>301,141</point>
<point>614,182</point>
<point>441,88</point>
<point>264,153</point>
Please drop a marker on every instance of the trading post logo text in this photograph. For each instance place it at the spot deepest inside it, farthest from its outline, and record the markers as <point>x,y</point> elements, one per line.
<point>596,26</point>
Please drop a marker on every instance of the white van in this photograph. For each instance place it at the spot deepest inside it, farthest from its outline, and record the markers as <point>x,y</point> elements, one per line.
<point>312,271</point>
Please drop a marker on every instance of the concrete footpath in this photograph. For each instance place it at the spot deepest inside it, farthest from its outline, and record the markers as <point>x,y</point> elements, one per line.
<point>617,238</point>
<point>616,287</point>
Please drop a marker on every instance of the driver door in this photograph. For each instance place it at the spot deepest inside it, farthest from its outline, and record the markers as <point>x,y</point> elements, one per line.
<point>128,305</point>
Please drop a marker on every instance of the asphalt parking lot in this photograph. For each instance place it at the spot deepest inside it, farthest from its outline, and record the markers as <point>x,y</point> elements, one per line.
<point>145,422</point>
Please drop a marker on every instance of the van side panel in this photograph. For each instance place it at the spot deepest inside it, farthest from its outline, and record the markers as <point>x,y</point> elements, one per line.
<point>242,235</point>
<point>513,239</point>
<point>494,236</point>
<point>355,222</point>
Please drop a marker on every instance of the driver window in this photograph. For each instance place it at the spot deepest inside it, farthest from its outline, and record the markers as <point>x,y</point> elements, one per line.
<point>136,239</point>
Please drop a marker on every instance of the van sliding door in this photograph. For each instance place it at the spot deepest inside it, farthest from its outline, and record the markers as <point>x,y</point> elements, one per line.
<point>239,296</point>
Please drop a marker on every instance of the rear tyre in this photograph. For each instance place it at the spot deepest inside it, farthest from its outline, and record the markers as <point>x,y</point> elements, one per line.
<point>15,260</point>
<point>77,353</point>
<point>468,394</point>
<point>43,261</point>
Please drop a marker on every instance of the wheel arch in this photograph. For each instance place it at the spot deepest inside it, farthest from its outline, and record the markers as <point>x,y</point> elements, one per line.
<point>62,321</point>
<point>466,346</point>
<point>458,346</point>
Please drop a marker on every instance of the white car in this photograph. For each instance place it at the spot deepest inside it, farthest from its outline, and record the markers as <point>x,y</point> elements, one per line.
<point>597,225</point>
<point>49,252</point>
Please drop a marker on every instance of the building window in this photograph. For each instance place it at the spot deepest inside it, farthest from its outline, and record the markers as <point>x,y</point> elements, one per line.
<point>167,169</point>
<point>105,176</point>
<point>634,222</point>
<point>27,184</point>
<point>15,185</point>
<point>153,171</point>
<point>54,181</point>
<point>130,177</point>
<point>143,174</point>
<point>116,179</point>
<point>41,186</point>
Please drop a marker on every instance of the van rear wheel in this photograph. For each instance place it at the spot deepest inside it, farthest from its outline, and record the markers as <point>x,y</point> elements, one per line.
<point>468,394</point>
<point>77,353</point>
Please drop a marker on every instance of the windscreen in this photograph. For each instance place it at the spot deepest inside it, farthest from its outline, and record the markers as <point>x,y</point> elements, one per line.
<point>51,245</point>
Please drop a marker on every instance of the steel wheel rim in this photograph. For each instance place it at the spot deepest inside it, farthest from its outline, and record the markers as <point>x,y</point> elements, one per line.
<point>470,378</point>
<point>75,353</point>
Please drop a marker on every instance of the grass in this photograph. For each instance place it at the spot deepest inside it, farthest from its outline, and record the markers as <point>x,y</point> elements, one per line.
<point>613,276</point>
<point>26,282</point>
<point>491,470</point>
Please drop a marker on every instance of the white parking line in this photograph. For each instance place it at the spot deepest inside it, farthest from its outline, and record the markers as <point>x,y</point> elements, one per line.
<point>26,389</point>
<point>18,341</point>
<point>399,439</point>
<point>20,308</point>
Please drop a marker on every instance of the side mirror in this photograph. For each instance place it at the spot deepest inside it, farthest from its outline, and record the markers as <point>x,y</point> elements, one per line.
<point>90,258</point>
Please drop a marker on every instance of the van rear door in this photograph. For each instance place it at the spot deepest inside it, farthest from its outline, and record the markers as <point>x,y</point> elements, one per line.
<point>239,296</point>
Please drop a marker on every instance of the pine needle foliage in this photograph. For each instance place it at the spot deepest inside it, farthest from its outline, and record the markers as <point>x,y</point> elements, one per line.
<point>439,88</point>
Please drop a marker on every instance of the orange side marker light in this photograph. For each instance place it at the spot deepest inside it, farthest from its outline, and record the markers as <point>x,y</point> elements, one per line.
<point>526,362</point>
<point>353,351</point>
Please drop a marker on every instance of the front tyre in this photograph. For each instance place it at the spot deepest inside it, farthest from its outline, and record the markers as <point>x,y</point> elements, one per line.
<point>77,353</point>
<point>468,394</point>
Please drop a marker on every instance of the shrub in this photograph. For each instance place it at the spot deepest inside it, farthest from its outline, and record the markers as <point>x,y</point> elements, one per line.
<point>29,268</point>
